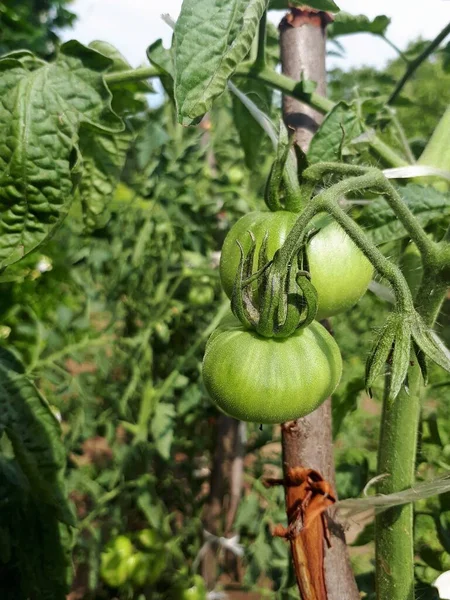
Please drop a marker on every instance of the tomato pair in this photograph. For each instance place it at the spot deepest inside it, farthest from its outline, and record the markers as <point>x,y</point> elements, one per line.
<point>339,270</point>
<point>272,380</point>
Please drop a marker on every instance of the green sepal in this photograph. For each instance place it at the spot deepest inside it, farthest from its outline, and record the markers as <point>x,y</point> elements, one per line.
<point>310,298</point>
<point>422,362</point>
<point>401,355</point>
<point>241,304</point>
<point>380,352</point>
<point>429,342</point>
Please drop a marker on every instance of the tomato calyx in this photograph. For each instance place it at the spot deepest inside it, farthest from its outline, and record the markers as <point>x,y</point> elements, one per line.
<point>282,301</point>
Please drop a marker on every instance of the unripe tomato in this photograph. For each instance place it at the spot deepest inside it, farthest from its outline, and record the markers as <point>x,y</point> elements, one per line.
<point>197,591</point>
<point>114,565</point>
<point>201,294</point>
<point>270,380</point>
<point>149,539</point>
<point>339,270</point>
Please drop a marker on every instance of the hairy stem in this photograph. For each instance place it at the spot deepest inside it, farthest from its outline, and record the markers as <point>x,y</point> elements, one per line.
<point>132,75</point>
<point>427,247</point>
<point>394,536</point>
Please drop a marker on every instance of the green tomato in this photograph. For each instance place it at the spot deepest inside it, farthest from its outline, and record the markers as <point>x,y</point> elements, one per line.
<point>197,591</point>
<point>270,380</point>
<point>149,539</point>
<point>339,270</point>
<point>146,567</point>
<point>114,567</point>
<point>201,294</point>
<point>235,175</point>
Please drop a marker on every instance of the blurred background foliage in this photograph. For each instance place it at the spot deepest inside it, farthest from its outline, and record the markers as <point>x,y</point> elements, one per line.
<point>111,320</point>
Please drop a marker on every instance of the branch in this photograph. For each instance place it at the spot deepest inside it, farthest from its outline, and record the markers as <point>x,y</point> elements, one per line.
<point>415,64</point>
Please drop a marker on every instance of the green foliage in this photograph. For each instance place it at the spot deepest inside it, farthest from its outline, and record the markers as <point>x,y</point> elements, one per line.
<point>39,151</point>
<point>345,24</point>
<point>202,70</point>
<point>109,323</point>
<point>33,24</point>
<point>326,5</point>
<point>339,128</point>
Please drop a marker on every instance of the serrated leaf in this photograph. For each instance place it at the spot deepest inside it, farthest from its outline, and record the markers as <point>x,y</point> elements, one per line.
<point>42,110</point>
<point>382,348</point>
<point>128,97</point>
<point>340,127</point>
<point>325,5</point>
<point>428,205</point>
<point>162,58</point>
<point>210,40</point>
<point>161,427</point>
<point>346,24</point>
<point>103,161</point>
<point>35,436</point>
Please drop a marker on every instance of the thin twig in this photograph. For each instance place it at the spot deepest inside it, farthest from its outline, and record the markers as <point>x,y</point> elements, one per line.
<point>415,64</point>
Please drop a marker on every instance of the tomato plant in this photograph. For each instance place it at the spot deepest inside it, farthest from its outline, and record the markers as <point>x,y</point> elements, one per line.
<point>339,271</point>
<point>266,380</point>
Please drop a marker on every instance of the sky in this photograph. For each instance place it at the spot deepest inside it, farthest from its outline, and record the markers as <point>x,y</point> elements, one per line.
<point>131,25</point>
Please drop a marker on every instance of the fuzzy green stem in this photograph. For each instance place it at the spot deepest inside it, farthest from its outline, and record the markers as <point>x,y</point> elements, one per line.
<point>394,531</point>
<point>428,249</point>
<point>132,75</point>
<point>394,535</point>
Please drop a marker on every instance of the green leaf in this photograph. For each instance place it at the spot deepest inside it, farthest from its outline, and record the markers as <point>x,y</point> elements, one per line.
<point>42,111</point>
<point>128,97</point>
<point>35,436</point>
<point>104,155</point>
<point>27,527</point>
<point>340,127</point>
<point>428,205</point>
<point>325,5</point>
<point>346,24</point>
<point>210,40</point>
<point>161,427</point>
<point>103,161</point>
<point>162,58</point>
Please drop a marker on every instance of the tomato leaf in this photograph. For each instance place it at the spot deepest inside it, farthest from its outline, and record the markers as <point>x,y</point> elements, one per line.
<point>35,436</point>
<point>104,155</point>
<point>427,204</point>
<point>210,40</point>
<point>162,58</point>
<point>340,127</point>
<point>28,526</point>
<point>43,109</point>
<point>346,24</point>
<point>325,5</point>
<point>162,428</point>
